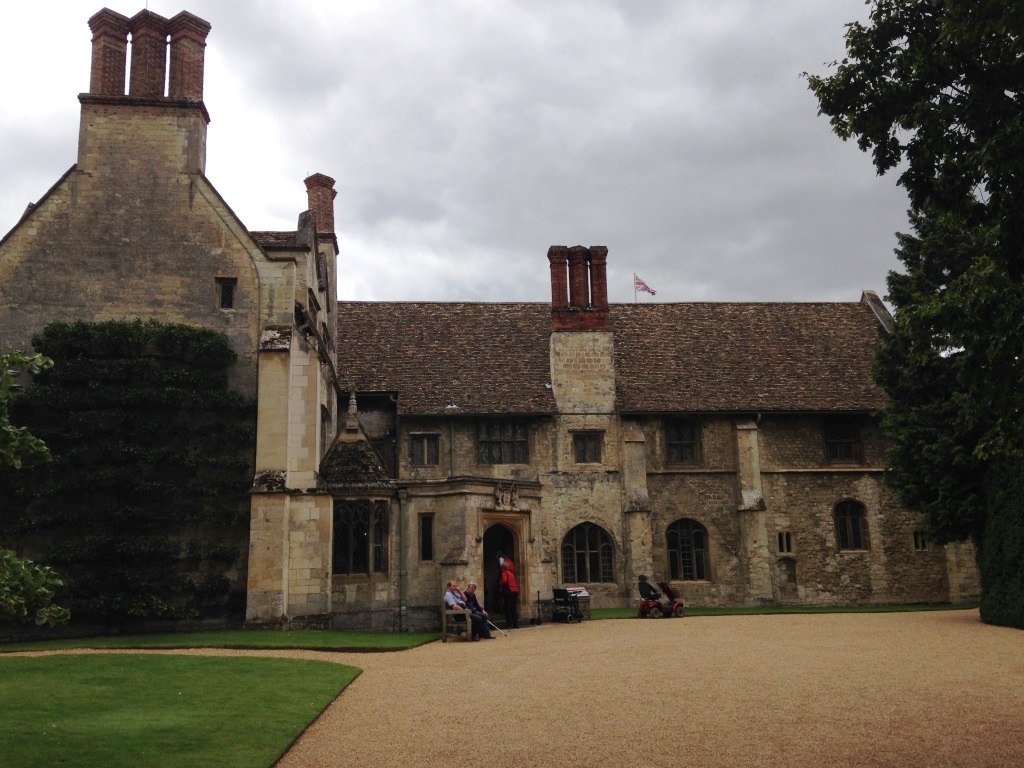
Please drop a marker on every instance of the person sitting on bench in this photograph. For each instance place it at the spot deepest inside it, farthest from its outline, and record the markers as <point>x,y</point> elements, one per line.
<point>456,601</point>
<point>478,610</point>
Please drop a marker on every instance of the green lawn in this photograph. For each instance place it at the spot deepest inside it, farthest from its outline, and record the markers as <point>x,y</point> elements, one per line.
<point>109,711</point>
<point>308,639</point>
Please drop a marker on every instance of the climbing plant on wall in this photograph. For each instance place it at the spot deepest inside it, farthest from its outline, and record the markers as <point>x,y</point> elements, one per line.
<point>143,508</point>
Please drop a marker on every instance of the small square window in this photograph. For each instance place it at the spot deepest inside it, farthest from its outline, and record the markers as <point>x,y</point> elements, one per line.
<point>425,450</point>
<point>682,441</point>
<point>842,442</point>
<point>785,542</point>
<point>587,447</point>
<point>226,292</point>
<point>920,541</point>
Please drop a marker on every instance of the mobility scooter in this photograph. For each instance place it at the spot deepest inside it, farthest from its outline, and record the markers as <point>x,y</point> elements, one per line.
<point>653,606</point>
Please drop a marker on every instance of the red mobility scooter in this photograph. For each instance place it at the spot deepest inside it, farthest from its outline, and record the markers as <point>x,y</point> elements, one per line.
<point>653,606</point>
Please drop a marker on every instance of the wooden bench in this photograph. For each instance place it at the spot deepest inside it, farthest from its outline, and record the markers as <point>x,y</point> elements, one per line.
<point>455,623</point>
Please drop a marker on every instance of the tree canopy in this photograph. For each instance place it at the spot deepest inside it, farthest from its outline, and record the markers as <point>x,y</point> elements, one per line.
<point>934,90</point>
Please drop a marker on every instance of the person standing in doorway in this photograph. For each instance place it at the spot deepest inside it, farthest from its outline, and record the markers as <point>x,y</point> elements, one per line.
<point>502,560</point>
<point>508,587</point>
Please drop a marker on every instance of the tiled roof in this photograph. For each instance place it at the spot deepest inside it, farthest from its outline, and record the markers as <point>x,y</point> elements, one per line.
<point>745,357</point>
<point>698,357</point>
<point>483,358</point>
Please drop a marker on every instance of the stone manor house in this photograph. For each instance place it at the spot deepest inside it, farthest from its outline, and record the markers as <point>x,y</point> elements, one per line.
<point>730,448</point>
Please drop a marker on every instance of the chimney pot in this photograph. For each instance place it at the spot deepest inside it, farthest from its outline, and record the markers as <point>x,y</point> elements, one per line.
<point>558,257</point>
<point>109,53</point>
<point>599,276</point>
<point>579,295</point>
<point>188,56</point>
<point>149,54</point>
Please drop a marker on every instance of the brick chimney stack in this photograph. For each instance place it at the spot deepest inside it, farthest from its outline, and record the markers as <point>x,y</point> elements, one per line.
<point>579,288</point>
<point>321,193</point>
<point>149,54</point>
<point>161,120</point>
<point>109,53</point>
<point>149,33</point>
<point>188,55</point>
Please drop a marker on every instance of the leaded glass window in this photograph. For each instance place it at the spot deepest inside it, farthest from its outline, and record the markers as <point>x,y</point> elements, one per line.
<point>587,555</point>
<point>502,442</point>
<point>360,537</point>
<point>687,551</point>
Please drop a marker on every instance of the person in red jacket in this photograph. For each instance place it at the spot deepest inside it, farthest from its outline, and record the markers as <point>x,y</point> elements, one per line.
<point>508,588</point>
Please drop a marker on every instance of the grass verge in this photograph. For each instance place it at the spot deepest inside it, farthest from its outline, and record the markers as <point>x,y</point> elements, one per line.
<point>306,639</point>
<point>157,711</point>
<point>630,613</point>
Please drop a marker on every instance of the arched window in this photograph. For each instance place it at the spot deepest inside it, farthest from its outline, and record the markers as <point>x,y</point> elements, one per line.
<point>851,525</point>
<point>587,555</point>
<point>687,551</point>
<point>360,537</point>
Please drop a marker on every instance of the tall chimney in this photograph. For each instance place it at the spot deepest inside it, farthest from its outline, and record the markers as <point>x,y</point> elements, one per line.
<point>109,53</point>
<point>149,54</point>
<point>321,193</point>
<point>188,43</point>
<point>558,256</point>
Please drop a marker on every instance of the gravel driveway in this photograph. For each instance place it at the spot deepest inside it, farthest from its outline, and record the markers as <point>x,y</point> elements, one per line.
<point>934,689</point>
<point>898,689</point>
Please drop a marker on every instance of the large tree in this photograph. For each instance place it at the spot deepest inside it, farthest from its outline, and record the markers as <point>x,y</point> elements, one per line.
<point>934,90</point>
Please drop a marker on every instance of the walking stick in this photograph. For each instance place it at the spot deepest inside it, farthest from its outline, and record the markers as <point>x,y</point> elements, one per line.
<point>496,627</point>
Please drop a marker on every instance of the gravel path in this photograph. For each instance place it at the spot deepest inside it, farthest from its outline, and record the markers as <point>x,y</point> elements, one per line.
<point>900,689</point>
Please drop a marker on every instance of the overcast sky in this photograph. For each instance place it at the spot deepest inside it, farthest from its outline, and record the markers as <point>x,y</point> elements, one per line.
<point>467,136</point>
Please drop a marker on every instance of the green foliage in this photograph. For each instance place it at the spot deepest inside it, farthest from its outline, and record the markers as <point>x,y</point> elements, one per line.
<point>27,591</point>
<point>1001,550</point>
<point>142,506</point>
<point>26,588</point>
<point>935,90</point>
<point>17,444</point>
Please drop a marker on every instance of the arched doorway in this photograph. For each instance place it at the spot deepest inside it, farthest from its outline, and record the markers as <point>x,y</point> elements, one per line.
<point>497,539</point>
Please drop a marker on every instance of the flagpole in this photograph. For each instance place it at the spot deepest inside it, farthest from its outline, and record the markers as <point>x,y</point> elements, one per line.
<point>634,288</point>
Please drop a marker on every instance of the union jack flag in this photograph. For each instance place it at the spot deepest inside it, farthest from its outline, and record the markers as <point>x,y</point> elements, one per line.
<point>640,285</point>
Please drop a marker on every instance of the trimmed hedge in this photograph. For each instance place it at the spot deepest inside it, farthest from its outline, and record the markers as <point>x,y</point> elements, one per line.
<point>143,510</point>
<point>1001,551</point>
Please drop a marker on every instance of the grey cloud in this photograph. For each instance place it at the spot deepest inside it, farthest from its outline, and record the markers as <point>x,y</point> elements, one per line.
<point>468,137</point>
